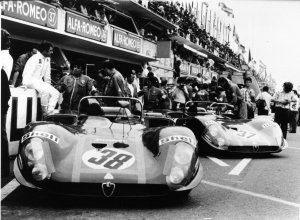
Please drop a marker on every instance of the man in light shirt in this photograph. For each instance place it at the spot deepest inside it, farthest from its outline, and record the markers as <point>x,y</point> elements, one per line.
<point>264,95</point>
<point>294,114</point>
<point>37,75</point>
<point>5,58</point>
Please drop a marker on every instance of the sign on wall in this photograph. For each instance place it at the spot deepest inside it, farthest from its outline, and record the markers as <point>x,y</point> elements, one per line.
<point>84,27</point>
<point>31,11</point>
<point>127,41</point>
<point>149,49</point>
<point>195,69</point>
<point>184,68</point>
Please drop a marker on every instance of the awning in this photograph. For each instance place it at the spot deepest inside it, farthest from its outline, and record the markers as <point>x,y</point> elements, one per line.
<point>194,51</point>
<point>137,10</point>
<point>183,41</point>
<point>233,68</point>
<point>25,31</point>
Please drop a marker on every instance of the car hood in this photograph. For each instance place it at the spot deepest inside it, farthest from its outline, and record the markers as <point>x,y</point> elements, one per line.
<point>100,151</point>
<point>247,132</point>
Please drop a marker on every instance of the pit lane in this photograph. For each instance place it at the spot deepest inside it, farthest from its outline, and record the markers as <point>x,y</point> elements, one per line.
<point>266,188</point>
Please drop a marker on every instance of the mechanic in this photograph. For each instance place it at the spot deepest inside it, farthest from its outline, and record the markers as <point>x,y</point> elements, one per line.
<point>234,97</point>
<point>19,67</point>
<point>180,95</point>
<point>152,95</point>
<point>75,86</point>
<point>282,102</point>
<point>202,94</point>
<point>130,87</point>
<point>116,83</point>
<point>249,97</point>
<point>37,75</point>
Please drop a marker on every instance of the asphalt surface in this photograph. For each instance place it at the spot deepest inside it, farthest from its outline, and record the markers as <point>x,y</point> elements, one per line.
<point>261,187</point>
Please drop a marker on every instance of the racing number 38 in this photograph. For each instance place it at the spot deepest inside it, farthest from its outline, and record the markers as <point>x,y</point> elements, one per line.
<point>108,159</point>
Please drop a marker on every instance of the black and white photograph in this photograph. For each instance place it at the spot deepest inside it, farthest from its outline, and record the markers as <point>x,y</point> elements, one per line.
<point>150,109</point>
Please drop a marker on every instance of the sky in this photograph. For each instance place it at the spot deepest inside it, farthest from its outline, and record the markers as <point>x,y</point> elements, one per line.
<point>271,29</point>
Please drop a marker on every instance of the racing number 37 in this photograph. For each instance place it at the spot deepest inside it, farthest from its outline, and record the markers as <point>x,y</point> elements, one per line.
<point>111,159</point>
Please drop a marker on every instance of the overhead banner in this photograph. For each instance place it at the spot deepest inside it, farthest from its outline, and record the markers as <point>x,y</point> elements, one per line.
<point>31,11</point>
<point>164,63</point>
<point>84,27</point>
<point>184,68</point>
<point>149,49</point>
<point>127,41</point>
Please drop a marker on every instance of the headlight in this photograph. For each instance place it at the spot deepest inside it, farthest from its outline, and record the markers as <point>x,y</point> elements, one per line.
<point>39,172</point>
<point>34,150</point>
<point>36,159</point>
<point>183,153</point>
<point>176,175</point>
<point>213,130</point>
<point>221,142</point>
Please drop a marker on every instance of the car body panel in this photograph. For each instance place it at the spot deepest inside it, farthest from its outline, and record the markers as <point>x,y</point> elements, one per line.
<point>97,151</point>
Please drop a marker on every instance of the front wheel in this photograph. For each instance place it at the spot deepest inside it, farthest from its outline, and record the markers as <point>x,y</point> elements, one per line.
<point>182,195</point>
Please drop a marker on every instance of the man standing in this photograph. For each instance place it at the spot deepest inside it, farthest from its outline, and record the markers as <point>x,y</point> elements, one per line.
<point>249,96</point>
<point>75,86</point>
<point>264,95</point>
<point>37,75</point>
<point>6,65</point>
<point>19,67</point>
<point>116,83</point>
<point>152,95</point>
<point>130,87</point>
<point>294,113</point>
<point>180,95</point>
<point>5,58</point>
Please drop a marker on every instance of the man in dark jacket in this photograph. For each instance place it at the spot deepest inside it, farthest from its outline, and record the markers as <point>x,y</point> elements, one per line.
<point>75,86</point>
<point>19,67</point>
<point>116,83</point>
<point>5,96</point>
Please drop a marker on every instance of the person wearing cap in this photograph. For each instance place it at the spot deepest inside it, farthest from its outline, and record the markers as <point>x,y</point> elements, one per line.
<point>5,58</point>
<point>75,86</point>
<point>37,75</point>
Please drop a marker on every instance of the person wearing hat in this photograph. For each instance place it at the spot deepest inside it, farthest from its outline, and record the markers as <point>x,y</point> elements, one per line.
<point>75,86</point>
<point>5,58</point>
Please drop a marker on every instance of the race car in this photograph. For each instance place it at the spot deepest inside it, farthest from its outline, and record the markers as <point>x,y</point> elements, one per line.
<point>108,149</point>
<point>217,129</point>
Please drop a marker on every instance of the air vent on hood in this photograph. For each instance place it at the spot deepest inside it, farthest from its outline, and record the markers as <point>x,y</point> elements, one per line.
<point>120,145</point>
<point>99,145</point>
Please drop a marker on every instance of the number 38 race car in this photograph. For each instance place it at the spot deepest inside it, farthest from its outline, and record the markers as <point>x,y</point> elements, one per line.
<point>217,128</point>
<point>108,149</point>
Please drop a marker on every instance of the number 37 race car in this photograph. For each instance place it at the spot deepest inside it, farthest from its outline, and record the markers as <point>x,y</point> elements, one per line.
<point>108,149</point>
<point>217,129</point>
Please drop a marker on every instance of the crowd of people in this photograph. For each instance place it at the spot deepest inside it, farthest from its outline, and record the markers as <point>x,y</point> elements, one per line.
<point>33,70</point>
<point>172,11</point>
<point>189,29</point>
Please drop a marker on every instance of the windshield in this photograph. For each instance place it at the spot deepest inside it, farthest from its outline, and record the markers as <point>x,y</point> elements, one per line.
<point>111,107</point>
